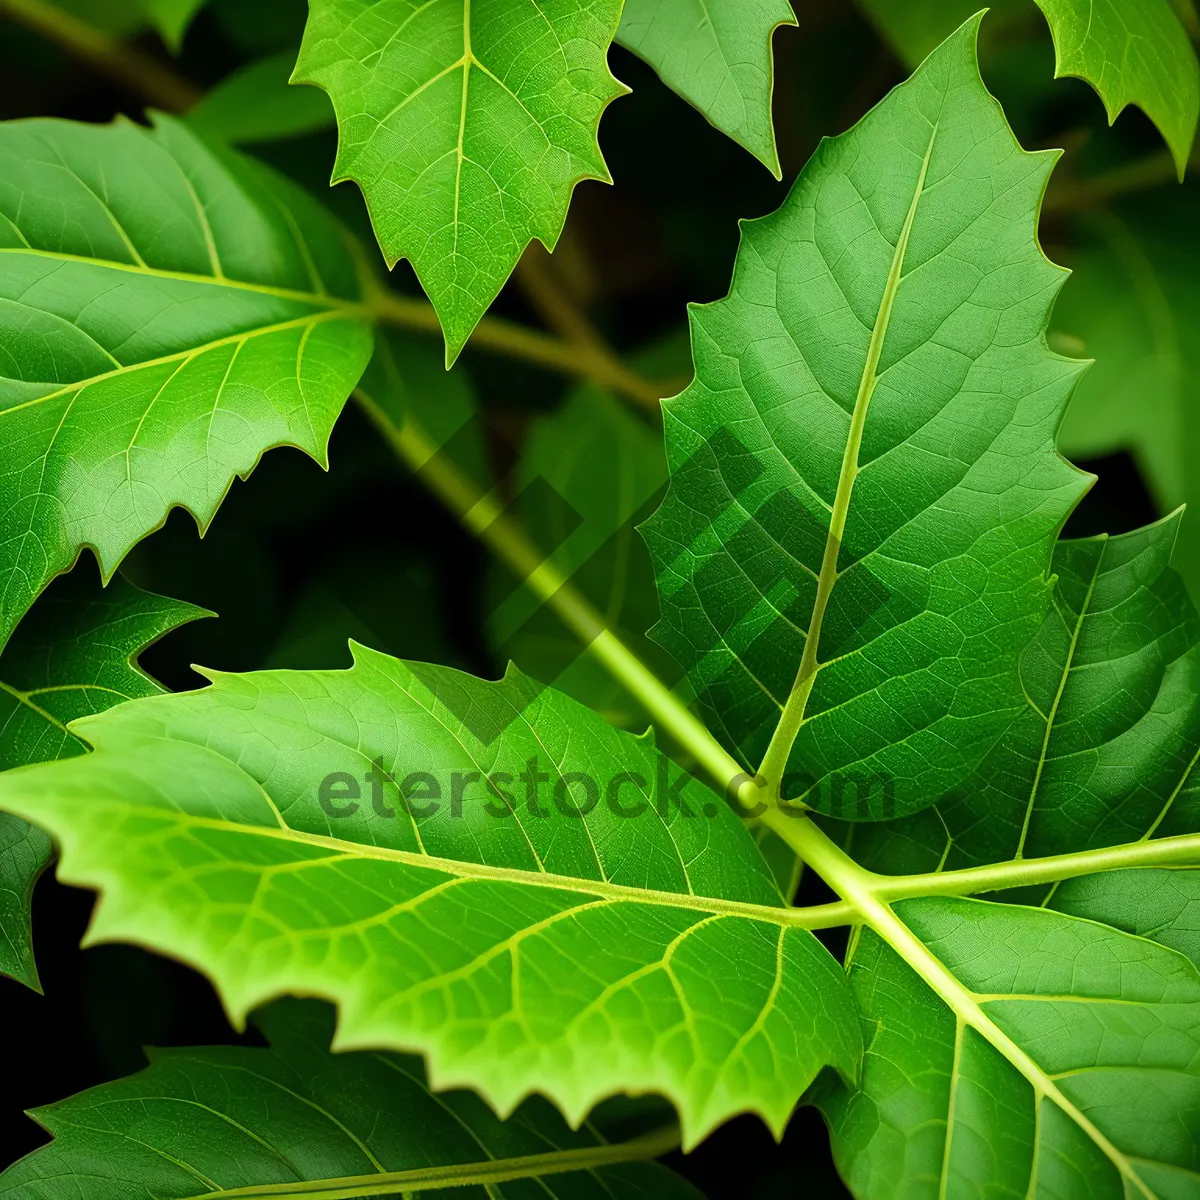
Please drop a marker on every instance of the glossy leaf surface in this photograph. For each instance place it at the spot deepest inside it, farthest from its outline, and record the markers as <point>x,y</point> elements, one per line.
<point>467,126</point>
<point>169,312</point>
<point>550,908</point>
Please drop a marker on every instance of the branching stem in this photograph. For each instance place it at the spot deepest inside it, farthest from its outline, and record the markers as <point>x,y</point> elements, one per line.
<point>483,515</point>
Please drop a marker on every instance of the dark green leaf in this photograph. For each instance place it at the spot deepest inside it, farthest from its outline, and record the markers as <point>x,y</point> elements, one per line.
<point>866,459</point>
<point>296,1120</point>
<point>75,654</point>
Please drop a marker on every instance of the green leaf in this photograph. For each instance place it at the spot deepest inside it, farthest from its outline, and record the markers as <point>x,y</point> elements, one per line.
<point>1130,51</point>
<point>717,56</point>
<point>518,945</point>
<point>1107,747</point>
<point>864,487</point>
<point>1067,1067</point>
<point>75,654</point>
<point>169,312</point>
<point>297,1120</point>
<point>467,130</point>
<point>257,104</point>
<point>915,28</point>
<point>171,18</point>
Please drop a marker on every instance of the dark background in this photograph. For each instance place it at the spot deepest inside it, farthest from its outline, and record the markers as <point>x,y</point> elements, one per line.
<point>373,555</point>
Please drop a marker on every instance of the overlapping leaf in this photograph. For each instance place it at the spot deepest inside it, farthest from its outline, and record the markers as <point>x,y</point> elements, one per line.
<point>717,56</point>
<point>1130,51</point>
<point>1070,1065</point>
<point>74,654</point>
<point>1107,747</point>
<point>224,1121</point>
<point>257,104</point>
<point>867,455</point>
<point>466,127</point>
<point>168,313</point>
<point>553,907</point>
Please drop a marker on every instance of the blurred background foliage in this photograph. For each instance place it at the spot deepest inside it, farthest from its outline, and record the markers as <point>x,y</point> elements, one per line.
<point>299,560</point>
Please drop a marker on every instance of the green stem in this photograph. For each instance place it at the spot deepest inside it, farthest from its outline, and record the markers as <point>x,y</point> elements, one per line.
<point>484,517</point>
<point>459,1175</point>
<point>775,761</point>
<point>538,279</point>
<point>132,70</point>
<point>518,341</point>
<point>1165,852</point>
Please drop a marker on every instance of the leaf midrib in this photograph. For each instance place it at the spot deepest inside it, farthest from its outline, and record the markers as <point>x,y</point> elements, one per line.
<point>774,763</point>
<point>605,889</point>
<point>458,1175</point>
<point>305,322</point>
<point>317,299</point>
<point>966,1007</point>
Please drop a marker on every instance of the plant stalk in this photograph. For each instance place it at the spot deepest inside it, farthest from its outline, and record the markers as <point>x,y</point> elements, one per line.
<point>484,517</point>
<point>519,341</point>
<point>130,69</point>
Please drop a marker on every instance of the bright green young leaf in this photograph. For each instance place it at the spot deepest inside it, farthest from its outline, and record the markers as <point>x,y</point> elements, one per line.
<point>257,104</point>
<point>168,312</point>
<point>467,129</point>
<point>864,487</point>
<point>1107,747</point>
<point>234,1121</point>
<point>1068,1067</point>
<point>1130,51</point>
<point>717,55</point>
<point>74,654</point>
<point>552,906</point>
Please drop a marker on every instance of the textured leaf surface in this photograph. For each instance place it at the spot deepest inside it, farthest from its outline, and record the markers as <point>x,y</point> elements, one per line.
<point>208,1121</point>
<point>1106,751</point>
<point>467,126</point>
<point>75,654</point>
<point>1098,1096</point>
<point>168,312</point>
<point>717,56</point>
<point>1163,905</point>
<point>518,944</point>
<point>866,457</point>
<point>1132,52</point>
